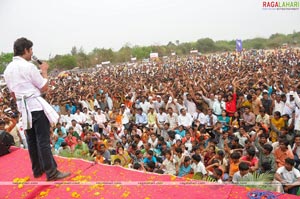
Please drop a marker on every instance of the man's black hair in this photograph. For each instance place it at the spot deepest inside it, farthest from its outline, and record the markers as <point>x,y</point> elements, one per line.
<point>290,161</point>
<point>268,147</point>
<point>243,166</point>
<point>196,157</point>
<point>20,45</point>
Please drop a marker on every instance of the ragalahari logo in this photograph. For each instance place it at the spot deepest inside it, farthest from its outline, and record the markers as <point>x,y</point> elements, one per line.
<point>281,5</point>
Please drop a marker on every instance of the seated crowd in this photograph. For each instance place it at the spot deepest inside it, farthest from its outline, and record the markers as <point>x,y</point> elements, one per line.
<point>183,117</point>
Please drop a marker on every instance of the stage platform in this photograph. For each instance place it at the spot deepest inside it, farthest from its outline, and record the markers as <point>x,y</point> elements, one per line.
<point>89,180</point>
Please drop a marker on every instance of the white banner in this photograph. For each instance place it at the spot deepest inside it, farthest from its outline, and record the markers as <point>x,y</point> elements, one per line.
<point>153,55</point>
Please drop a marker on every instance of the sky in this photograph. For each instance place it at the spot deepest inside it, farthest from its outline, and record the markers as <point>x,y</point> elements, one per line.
<point>55,26</point>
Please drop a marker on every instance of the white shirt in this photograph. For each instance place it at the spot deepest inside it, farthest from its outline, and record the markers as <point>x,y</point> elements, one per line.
<point>109,102</point>
<point>67,119</point>
<point>297,112</point>
<point>170,166</point>
<point>218,106</point>
<point>278,106</point>
<point>100,118</point>
<point>213,122</point>
<point>172,120</point>
<point>185,120</point>
<point>153,143</point>
<point>24,79</point>
<point>237,177</point>
<point>145,106</point>
<point>84,104</point>
<point>79,117</point>
<point>289,106</point>
<point>191,106</point>
<point>126,115</point>
<point>297,150</point>
<point>297,119</point>
<point>288,176</point>
<point>201,117</point>
<point>88,117</point>
<point>161,118</point>
<point>157,105</point>
<point>199,168</point>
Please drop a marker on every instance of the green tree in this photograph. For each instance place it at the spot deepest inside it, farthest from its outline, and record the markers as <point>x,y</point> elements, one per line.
<point>74,50</point>
<point>63,62</point>
<point>5,58</point>
<point>205,45</point>
<point>83,60</point>
<point>141,52</point>
<point>103,54</point>
<point>124,54</point>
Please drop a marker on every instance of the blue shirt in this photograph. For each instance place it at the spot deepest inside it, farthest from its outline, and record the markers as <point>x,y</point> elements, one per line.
<point>181,133</point>
<point>141,119</point>
<point>146,160</point>
<point>70,108</point>
<point>184,170</point>
<point>58,142</point>
<point>56,108</point>
<point>63,130</point>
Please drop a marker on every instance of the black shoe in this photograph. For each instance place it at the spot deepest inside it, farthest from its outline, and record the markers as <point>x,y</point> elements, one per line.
<point>38,175</point>
<point>59,175</point>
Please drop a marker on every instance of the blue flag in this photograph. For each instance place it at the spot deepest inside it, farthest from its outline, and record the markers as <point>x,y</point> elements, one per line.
<point>239,45</point>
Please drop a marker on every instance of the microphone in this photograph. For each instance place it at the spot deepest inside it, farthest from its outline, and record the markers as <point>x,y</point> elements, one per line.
<point>34,58</point>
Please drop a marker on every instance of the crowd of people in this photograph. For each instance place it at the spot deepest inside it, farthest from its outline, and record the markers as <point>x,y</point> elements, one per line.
<point>225,115</point>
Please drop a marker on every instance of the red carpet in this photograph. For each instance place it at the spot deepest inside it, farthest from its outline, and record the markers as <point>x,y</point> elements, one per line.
<point>94,181</point>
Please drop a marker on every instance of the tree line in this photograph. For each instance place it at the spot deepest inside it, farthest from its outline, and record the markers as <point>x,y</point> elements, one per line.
<point>79,58</point>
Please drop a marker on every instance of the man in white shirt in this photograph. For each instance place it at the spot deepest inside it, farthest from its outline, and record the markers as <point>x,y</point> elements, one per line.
<point>100,119</point>
<point>79,117</point>
<point>67,119</point>
<point>88,116</point>
<point>296,151</point>
<point>125,116</point>
<point>297,113</point>
<point>75,126</point>
<point>158,103</point>
<point>84,102</point>
<point>290,104</point>
<point>278,104</point>
<point>218,106</point>
<point>145,105</point>
<point>288,176</point>
<point>161,118</point>
<point>198,166</point>
<point>185,119</point>
<point>211,119</point>
<point>199,118</point>
<point>189,103</point>
<point>26,83</point>
<point>242,173</point>
<point>172,119</point>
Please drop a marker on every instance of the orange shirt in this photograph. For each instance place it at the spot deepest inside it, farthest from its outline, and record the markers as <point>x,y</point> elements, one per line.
<point>99,160</point>
<point>119,119</point>
<point>128,104</point>
<point>233,167</point>
<point>144,137</point>
<point>280,156</point>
